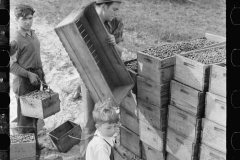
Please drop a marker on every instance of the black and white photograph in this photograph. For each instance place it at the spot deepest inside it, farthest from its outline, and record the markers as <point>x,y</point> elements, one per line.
<point>118,79</point>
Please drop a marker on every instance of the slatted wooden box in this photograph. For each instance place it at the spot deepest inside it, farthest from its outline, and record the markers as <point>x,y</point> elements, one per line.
<point>84,37</point>
<point>65,136</point>
<point>152,92</point>
<point>21,148</point>
<point>191,72</point>
<point>14,127</point>
<point>217,81</point>
<point>129,120</point>
<point>180,147</point>
<point>152,136</point>
<point>214,135</point>
<point>216,109</point>
<point>152,115</point>
<point>162,70</point>
<point>133,73</point>
<point>171,157</point>
<point>33,105</point>
<point>149,153</point>
<point>208,153</point>
<point>130,104</point>
<point>130,141</point>
<point>187,98</point>
<point>184,123</point>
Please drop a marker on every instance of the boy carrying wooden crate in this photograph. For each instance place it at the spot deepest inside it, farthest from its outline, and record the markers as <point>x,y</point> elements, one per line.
<point>26,65</point>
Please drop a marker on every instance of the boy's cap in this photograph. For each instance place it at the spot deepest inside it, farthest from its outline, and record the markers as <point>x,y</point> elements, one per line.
<point>106,1</point>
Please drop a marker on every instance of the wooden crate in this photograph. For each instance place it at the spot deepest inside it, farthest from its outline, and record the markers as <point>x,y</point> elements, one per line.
<point>152,136</point>
<point>214,135</point>
<point>161,70</point>
<point>152,115</point>
<point>149,153</point>
<point>130,141</point>
<point>152,92</point>
<point>208,153</point>
<point>216,110</point>
<point>217,81</point>
<point>14,127</point>
<point>184,124</point>
<point>40,108</point>
<point>133,74</point>
<point>187,98</point>
<point>84,37</point>
<point>65,136</point>
<point>23,150</point>
<point>180,147</point>
<point>130,103</point>
<point>129,120</point>
<point>191,72</point>
<point>171,157</point>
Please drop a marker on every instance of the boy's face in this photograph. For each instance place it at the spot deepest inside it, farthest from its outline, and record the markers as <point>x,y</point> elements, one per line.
<point>111,12</point>
<point>25,22</point>
<point>107,130</point>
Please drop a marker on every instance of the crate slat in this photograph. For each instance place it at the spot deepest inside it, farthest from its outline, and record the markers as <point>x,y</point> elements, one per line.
<point>184,123</point>
<point>149,153</point>
<point>129,103</point>
<point>216,110</point>
<point>208,153</point>
<point>217,82</point>
<point>171,157</point>
<point>152,92</point>
<point>152,136</point>
<point>152,115</point>
<point>187,98</point>
<point>129,120</point>
<point>180,147</point>
<point>130,140</point>
<point>214,135</point>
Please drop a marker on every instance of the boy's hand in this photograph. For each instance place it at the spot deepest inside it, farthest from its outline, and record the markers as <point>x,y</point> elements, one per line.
<point>111,40</point>
<point>34,79</point>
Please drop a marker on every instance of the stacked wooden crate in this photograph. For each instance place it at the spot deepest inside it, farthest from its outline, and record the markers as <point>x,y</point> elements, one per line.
<point>187,103</point>
<point>213,144</point>
<point>129,131</point>
<point>155,71</point>
<point>154,74</point>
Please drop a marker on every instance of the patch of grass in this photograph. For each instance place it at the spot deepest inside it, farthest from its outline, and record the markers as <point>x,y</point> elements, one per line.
<point>152,22</point>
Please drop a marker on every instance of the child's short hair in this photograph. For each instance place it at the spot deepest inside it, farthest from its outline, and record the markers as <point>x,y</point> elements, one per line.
<point>105,112</point>
<point>22,10</point>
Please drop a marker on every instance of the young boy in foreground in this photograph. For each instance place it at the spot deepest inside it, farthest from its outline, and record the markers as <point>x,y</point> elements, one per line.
<point>106,119</point>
